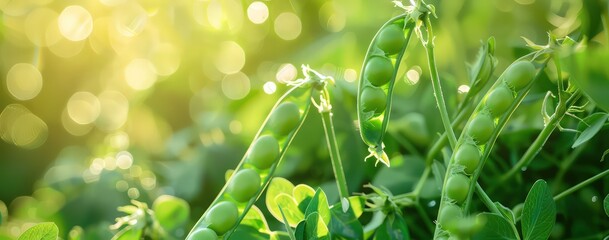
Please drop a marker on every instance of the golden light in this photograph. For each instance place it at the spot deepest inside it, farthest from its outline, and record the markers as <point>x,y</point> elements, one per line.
<point>24,81</point>
<point>257,12</point>
<point>286,73</point>
<point>287,26</point>
<point>83,107</point>
<point>22,128</point>
<point>350,75</point>
<point>75,23</point>
<point>166,59</point>
<point>236,86</point>
<point>114,110</point>
<point>269,87</point>
<point>140,74</point>
<point>130,19</point>
<point>37,23</point>
<point>230,58</point>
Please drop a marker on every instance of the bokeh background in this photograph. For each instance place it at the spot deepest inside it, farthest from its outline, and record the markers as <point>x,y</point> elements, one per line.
<point>104,101</point>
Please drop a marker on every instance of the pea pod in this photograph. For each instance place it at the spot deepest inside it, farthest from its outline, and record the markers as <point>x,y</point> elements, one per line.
<point>478,137</point>
<point>256,168</point>
<point>376,82</point>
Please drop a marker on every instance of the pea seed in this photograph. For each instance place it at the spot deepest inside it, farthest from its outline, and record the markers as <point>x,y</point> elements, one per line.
<point>457,187</point>
<point>264,152</point>
<point>499,100</point>
<point>468,156</point>
<point>481,128</point>
<point>244,185</point>
<point>284,119</point>
<point>378,70</point>
<point>373,100</point>
<point>391,39</point>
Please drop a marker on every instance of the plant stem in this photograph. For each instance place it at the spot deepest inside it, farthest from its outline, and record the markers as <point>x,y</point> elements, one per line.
<point>581,185</point>
<point>486,199</point>
<point>326,117</point>
<point>435,83</point>
<point>543,136</point>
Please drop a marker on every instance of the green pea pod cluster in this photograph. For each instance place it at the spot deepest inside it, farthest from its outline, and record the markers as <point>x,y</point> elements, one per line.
<point>255,170</point>
<point>477,140</point>
<point>377,79</point>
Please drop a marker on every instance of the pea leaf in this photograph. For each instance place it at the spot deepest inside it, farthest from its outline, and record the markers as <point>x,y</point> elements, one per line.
<point>506,213</point>
<point>171,212</point>
<point>592,126</point>
<point>345,223</point>
<point>254,218</point>
<point>277,186</point>
<point>539,212</point>
<point>41,231</point>
<point>248,232</point>
<point>393,227</point>
<point>496,228</point>
<point>290,209</point>
<point>287,226</point>
<point>303,194</point>
<point>315,227</point>
<point>606,204</point>
<point>319,204</point>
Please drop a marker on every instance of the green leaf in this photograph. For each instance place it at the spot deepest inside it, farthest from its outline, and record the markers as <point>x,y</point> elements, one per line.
<point>357,204</point>
<point>315,227</point>
<point>248,232</point>
<point>345,223</point>
<point>171,212</point>
<point>277,186</point>
<point>319,204</point>
<point>394,228</point>
<point>592,126</point>
<point>299,233</point>
<point>496,228</point>
<point>539,212</point>
<point>41,231</point>
<point>303,194</point>
<point>287,226</point>
<point>254,218</point>
<point>506,213</point>
<point>290,209</point>
<point>606,204</point>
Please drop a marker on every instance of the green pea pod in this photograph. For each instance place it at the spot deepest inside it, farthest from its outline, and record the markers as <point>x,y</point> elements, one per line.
<point>479,135</point>
<point>255,170</point>
<point>377,79</point>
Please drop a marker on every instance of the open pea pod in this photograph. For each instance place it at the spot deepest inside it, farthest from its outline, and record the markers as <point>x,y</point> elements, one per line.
<point>255,170</point>
<point>377,79</point>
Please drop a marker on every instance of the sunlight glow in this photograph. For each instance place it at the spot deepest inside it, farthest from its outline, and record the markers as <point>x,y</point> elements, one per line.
<point>258,12</point>
<point>24,81</point>
<point>288,26</point>
<point>75,23</point>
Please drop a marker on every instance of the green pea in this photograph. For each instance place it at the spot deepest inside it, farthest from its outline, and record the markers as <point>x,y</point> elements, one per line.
<point>468,156</point>
<point>449,214</point>
<point>499,100</point>
<point>378,70</point>
<point>244,185</point>
<point>203,234</point>
<point>481,128</point>
<point>373,100</point>
<point>222,217</point>
<point>264,152</point>
<point>284,119</point>
<point>391,39</point>
<point>457,187</point>
<point>519,74</point>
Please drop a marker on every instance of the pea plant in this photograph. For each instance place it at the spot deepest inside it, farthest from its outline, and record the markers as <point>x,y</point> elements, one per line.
<point>482,176</point>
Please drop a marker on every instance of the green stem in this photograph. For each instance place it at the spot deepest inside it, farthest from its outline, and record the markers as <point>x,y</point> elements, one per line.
<point>543,136</point>
<point>435,83</point>
<point>486,199</point>
<point>421,182</point>
<point>581,185</point>
<point>326,117</point>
